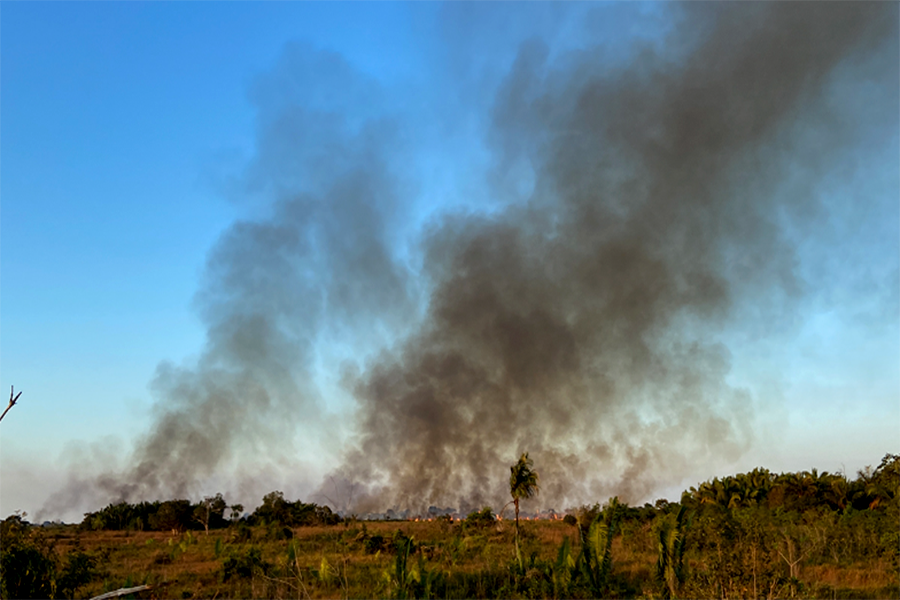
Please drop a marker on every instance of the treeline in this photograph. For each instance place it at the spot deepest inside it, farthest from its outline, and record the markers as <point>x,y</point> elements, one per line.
<point>760,488</point>
<point>751,535</point>
<point>802,491</point>
<point>213,512</point>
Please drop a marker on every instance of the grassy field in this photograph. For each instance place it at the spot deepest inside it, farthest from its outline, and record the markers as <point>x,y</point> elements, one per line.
<point>402,559</point>
<point>356,560</point>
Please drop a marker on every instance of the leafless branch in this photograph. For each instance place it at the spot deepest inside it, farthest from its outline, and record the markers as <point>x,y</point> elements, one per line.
<point>121,592</point>
<point>12,401</point>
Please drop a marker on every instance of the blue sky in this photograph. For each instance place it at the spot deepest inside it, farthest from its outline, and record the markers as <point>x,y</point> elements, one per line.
<point>131,137</point>
<point>119,123</point>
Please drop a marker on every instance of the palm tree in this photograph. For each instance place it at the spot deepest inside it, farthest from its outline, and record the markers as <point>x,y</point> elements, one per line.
<point>523,484</point>
<point>669,530</point>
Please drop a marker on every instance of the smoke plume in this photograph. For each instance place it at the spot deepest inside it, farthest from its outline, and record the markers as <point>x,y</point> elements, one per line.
<point>629,212</point>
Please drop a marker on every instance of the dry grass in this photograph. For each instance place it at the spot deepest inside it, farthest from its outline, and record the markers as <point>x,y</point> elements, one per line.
<point>871,575</point>
<point>189,565</point>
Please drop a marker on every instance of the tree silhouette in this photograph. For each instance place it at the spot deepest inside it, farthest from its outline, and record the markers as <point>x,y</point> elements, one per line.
<point>12,401</point>
<point>209,509</point>
<point>523,484</point>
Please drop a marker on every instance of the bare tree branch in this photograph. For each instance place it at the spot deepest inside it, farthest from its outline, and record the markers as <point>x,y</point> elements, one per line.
<point>121,592</point>
<point>12,401</point>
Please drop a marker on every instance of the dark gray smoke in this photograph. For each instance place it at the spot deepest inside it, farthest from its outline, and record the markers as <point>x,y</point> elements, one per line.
<point>314,266</point>
<point>576,317</point>
<point>579,325</point>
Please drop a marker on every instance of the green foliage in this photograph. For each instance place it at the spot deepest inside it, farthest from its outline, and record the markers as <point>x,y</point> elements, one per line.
<point>752,535</point>
<point>243,532</point>
<point>121,516</point>
<point>80,569</point>
<point>595,560</point>
<point>172,515</point>
<point>275,510</point>
<point>279,532</point>
<point>736,552</point>
<point>403,579</point>
<point>244,564</point>
<point>524,483</point>
<point>375,544</point>
<point>481,519</point>
<point>210,512</point>
<point>326,573</point>
<point>30,567</point>
<point>669,533</point>
<point>178,515</point>
<point>872,489</point>
<point>26,571</point>
<point>563,570</point>
<point>408,579</point>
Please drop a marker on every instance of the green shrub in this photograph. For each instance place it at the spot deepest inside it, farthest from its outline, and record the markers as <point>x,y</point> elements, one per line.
<point>80,570</point>
<point>244,564</point>
<point>481,519</point>
<point>26,571</point>
<point>30,567</point>
<point>374,544</point>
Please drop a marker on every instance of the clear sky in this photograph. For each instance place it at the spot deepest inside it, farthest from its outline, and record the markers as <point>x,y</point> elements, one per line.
<point>119,124</point>
<point>133,135</point>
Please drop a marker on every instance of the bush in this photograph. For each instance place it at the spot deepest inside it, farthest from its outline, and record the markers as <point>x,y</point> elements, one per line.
<point>275,510</point>
<point>29,566</point>
<point>244,564</point>
<point>374,544</point>
<point>243,532</point>
<point>481,519</point>
<point>26,571</point>
<point>80,570</point>
<point>175,515</point>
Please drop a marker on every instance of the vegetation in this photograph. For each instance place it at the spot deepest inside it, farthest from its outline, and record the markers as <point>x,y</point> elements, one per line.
<point>524,483</point>
<point>180,515</point>
<point>669,530</point>
<point>752,535</point>
<point>595,560</point>
<point>29,568</point>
